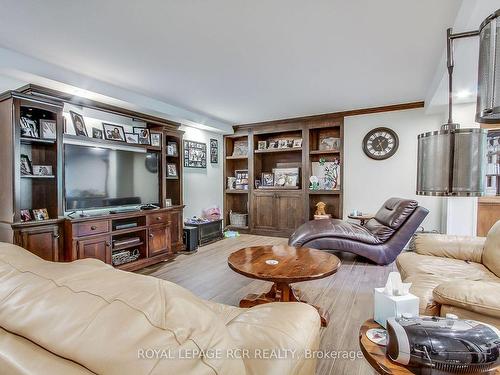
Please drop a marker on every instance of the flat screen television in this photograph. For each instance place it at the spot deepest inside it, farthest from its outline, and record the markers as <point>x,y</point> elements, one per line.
<point>97,178</point>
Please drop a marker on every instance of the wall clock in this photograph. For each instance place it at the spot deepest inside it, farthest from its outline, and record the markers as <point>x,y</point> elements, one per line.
<point>380,143</point>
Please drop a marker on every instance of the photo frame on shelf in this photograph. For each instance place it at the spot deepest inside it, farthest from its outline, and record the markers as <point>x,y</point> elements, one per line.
<point>78,124</point>
<point>241,176</point>
<point>283,143</point>
<point>329,144</point>
<point>144,137</point>
<point>328,174</point>
<point>48,129</point>
<point>214,151</point>
<point>172,149</point>
<point>267,179</point>
<point>171,170</point>
<point>97,133</point>
<point>42,170</point>
<point>40,214</point>
<point>132,138</point>
<point>113,132</point>
<point>168,202</point>
<point>297,143</point>
<point>26,216</point>
<point>273,144</point>
<point>156,138</point>
<point>26,167</point>
<point>240,148</point>
<point>262,145</point>
<point>286,177</point>
<point>29,128</point>
<point>195,154</point>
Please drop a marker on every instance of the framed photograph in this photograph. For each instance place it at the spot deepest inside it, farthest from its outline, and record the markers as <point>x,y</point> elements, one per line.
<point>267,179</point>
<point>26,167</point>
<point>132,138</point>
<point>273,144</point>
<point>113,132</point>
<point>241,179</point>
<point>40,214</point>
<point>26,216</point>
<point>29,128</point>
<point>286,177</point>
<point>195,154</point>
<point>96,133</point>
<point>328,174</point>
<point>42,170</point>
<point>240,148</point>
<point>171,170</point>
<point>144,138</point>
<point>283,143</point>
<point>48,129</point>
<point>78,124</point>
<point>329,144</point>
<point>297,143</point>
<point>168,202</point>
<point>156,139</point>
<point>214,151</point>
<point>172,149</point>
<point>262,145</point>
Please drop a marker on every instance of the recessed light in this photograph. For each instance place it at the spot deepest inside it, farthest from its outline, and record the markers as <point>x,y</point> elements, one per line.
<point>463,94</point>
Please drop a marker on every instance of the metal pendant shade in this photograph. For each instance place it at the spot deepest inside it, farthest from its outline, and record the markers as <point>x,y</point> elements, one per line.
<point>451,161</point>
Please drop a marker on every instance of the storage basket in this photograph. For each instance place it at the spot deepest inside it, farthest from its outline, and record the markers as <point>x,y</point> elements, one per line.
<point>237,219</point>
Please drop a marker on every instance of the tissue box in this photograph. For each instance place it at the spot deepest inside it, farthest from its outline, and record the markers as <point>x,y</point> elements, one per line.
<point>393,306</point>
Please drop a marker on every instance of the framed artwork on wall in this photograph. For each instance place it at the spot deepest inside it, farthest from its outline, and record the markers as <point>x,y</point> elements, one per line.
<point>195,154</point>
<point>214,151</point>
<point>78,124</point>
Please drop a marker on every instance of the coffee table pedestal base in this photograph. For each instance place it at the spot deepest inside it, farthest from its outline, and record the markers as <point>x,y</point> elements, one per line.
<point>281,292</point>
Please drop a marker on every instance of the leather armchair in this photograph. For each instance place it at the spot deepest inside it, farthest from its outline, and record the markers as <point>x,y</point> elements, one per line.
<point>455,274</point>
<point>381,239</point>
<point>85,317</point>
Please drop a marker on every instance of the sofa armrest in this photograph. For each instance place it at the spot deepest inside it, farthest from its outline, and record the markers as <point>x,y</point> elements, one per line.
<point>448,246</point>
<point>482,297</point>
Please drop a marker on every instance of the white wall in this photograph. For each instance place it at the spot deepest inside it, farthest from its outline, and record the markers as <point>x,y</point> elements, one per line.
<point>367,182</point>
<point>203,187</point>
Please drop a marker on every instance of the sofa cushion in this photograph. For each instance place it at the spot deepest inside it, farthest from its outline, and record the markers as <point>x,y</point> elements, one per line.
<point>482,297</point>
<point>491,252</point>
<point>450,246</point>
<point>395,211</point>
<point>469,315</point>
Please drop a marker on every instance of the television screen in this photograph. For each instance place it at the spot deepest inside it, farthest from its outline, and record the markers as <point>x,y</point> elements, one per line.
<point>99,178</point>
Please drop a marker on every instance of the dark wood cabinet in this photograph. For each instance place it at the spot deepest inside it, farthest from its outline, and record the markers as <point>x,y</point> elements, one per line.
<point>96,247</point>
<point>159,240</point>
<point>43,241</point>
<point>278,212</point>
<point>264,211</point>
<point>176,227</point>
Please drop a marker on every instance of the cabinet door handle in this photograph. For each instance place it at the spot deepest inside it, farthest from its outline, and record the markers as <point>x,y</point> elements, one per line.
<point>158,218</point>
<point>108,244</point>
<point>56,236</point>
<point>93,227</point>
<point>151,235</point>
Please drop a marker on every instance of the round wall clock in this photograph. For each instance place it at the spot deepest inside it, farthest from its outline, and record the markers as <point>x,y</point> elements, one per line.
<point>380,143</point>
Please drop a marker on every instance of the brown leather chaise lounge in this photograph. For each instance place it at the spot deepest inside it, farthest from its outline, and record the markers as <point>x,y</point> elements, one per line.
<point>381,239</point>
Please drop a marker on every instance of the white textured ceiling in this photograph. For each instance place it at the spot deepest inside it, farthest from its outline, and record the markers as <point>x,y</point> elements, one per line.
<point>241,61</point>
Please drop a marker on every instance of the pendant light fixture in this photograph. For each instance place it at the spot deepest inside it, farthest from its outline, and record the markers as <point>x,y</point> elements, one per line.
<point>451,161</point>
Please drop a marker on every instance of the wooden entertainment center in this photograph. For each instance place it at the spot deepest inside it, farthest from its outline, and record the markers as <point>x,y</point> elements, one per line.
<point>153,235</point>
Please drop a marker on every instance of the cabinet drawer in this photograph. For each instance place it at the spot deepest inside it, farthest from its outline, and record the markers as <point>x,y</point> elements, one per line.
<point>90,228</point>
<point>158,218</point>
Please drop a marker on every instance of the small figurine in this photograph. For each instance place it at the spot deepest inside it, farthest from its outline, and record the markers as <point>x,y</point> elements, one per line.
<point>320,209</point>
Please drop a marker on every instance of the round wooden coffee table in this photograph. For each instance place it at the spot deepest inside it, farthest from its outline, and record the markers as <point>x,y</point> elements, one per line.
<point>282,265</point>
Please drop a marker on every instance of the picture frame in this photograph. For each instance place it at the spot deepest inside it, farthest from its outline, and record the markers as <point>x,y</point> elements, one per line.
<point>29,128</point>
<point>42,170</point>
<point>262,145</point>
<point>273,144</point>
<point>26,167</point>
<point>40,214</point>
<point>286,177</point>
<point>214,151</point>
<point>113,132</point>
<point>144,136</point>
<point>195,154</point>
<point>297,143</point>
<point>241,179</point>
<point>240,148</point>
<point>78,124</point>
<point>48,129</point>
<point>26,215</point>
<point>172,148</point>
<point>168,202</point>
<point>156,138</point>
<point>97,133</point>
<point>282,143</point>
<point>329,144</point>
<point>172,170</point>
<point>328,174</point>
<point>132,138</point>
<point>267,179</point>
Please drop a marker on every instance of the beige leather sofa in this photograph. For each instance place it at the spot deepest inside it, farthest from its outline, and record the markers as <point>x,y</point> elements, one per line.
<point>85,317</point>
<point>455,274</point>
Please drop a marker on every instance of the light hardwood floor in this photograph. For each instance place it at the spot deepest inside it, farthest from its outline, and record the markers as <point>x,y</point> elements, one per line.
<point>347,295</point>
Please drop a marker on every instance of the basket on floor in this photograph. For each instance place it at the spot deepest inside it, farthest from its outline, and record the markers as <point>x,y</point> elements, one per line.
<point>237,219</point>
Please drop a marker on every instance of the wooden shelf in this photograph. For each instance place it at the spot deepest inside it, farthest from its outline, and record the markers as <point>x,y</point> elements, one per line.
<point>275,188</point>
<point>127,246</point>
<point>96,142</point>
<point>273,150</point>
<point>32,176</point>
<point>28,141</point>
<point>236,157</point>
<point>236,227</point>
<point>129,230</point>
<point>171,178</point>
<point>325,192</point>
<point>172,156</point>
<point>236,191</point>
<point>326,152</point>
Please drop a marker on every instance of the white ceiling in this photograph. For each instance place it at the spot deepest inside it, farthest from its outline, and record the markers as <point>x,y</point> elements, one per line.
<point>241,60</point>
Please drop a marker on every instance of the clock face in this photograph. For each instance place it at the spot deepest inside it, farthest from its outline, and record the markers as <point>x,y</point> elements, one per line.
<point>380,143</point>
